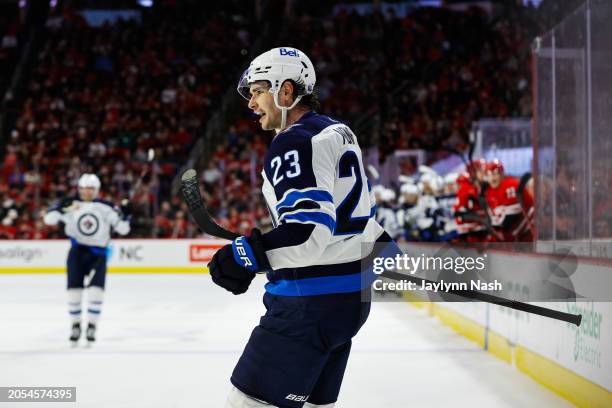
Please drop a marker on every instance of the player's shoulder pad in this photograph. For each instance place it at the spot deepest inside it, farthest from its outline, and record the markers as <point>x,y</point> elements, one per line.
<point>312,128</point>
<point>56,207</point>
<point>70,199</point>
<point>299,152</point>
<point>106,202</point>
<point>310,124</point>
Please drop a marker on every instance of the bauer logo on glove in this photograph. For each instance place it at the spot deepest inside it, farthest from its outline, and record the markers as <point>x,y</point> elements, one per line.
<point>243,254</point>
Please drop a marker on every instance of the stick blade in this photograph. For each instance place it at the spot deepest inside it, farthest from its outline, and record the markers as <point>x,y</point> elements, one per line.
<point>188,175</point>
<point>190,189</point>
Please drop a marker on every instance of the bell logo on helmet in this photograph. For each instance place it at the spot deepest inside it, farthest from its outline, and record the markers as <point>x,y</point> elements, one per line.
<point>289,52</point>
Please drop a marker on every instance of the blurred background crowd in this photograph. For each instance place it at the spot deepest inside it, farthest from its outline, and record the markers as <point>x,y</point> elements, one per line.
<point>132,98</point>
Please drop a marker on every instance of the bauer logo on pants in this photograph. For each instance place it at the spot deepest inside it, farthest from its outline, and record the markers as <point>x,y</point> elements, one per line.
<point>298,398</point>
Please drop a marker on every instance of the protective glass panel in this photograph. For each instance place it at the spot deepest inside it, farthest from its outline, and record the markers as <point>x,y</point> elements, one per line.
<point>601,119</point>
<point>573,123</point>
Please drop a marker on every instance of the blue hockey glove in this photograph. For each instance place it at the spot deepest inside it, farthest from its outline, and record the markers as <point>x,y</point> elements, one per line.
<point>250,253</point>
<point>233,267</point>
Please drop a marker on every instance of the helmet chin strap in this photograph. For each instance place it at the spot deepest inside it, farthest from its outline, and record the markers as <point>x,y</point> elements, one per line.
<point>284,109</point>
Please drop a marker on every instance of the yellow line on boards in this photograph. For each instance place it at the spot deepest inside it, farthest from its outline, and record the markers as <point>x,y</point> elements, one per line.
<point>562,381</point>
<point>460,324</point>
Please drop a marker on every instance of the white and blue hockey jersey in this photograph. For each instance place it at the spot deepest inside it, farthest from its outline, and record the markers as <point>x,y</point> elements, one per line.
<point>321,205</point>
<point>89,222</point>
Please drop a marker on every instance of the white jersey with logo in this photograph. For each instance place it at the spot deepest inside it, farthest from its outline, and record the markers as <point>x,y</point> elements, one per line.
<point>322,207</point>
<point>89,222</point>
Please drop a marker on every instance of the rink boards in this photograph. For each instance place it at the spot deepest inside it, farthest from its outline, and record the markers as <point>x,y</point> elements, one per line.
<point>574,362</point>
<point>124,255</point>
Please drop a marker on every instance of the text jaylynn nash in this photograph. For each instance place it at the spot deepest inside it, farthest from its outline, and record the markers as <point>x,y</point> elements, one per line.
<point>440,286</point>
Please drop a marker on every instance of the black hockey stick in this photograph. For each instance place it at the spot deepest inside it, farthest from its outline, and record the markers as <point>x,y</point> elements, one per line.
<point>191,194</point>
<point>484,297</point>
<point>195,204</point>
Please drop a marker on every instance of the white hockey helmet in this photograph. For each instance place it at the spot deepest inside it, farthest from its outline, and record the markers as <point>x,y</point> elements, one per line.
<point>409,188</point>
<point>277,66</point>
<point>90,180</point>
<point>387,195</point>
<point>451,178</point>
<point>378,189</point>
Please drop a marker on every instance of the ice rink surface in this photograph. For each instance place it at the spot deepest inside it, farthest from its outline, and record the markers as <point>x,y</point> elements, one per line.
<point>172,341</point>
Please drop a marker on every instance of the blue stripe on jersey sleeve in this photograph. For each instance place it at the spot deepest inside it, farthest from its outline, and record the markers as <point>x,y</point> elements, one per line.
<point>314,195</point>
<point>318,217</point>
<point>302,205</point>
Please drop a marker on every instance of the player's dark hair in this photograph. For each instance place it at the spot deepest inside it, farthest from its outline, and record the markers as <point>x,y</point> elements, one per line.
<point>311,101</point>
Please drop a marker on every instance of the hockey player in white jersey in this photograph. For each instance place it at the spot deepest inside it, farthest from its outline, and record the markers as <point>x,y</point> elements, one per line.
<point>386,213</point>
<point>88,223</point>
<point>323,211</point>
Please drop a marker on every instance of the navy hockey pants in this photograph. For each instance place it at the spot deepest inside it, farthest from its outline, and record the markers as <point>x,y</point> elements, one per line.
<point>299,351</point>
<point>81,261</point>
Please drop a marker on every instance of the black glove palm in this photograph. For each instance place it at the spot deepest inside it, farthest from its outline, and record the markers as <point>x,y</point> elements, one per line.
<point>126,208</point>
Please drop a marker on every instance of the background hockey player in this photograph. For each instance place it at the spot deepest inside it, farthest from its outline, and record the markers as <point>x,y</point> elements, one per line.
<point>511,209</point>
<point>447,200</point>
<point>386,213</point>
<point>88,223</point>
<point>468,202</point>
<point>429,216</point>
<point>408,212</point>
<point>318,195</point>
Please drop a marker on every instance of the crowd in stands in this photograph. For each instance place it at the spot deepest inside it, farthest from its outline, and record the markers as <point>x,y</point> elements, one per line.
<point>428,75</point>
<point>107,99</point>
<point>11,36</point>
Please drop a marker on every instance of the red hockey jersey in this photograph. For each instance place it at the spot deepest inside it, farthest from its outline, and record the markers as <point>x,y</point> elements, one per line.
<point>508,216</point>
<point>467,201</point>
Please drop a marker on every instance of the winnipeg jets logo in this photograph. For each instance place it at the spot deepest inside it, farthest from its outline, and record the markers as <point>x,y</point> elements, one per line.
<point>88,224</point>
